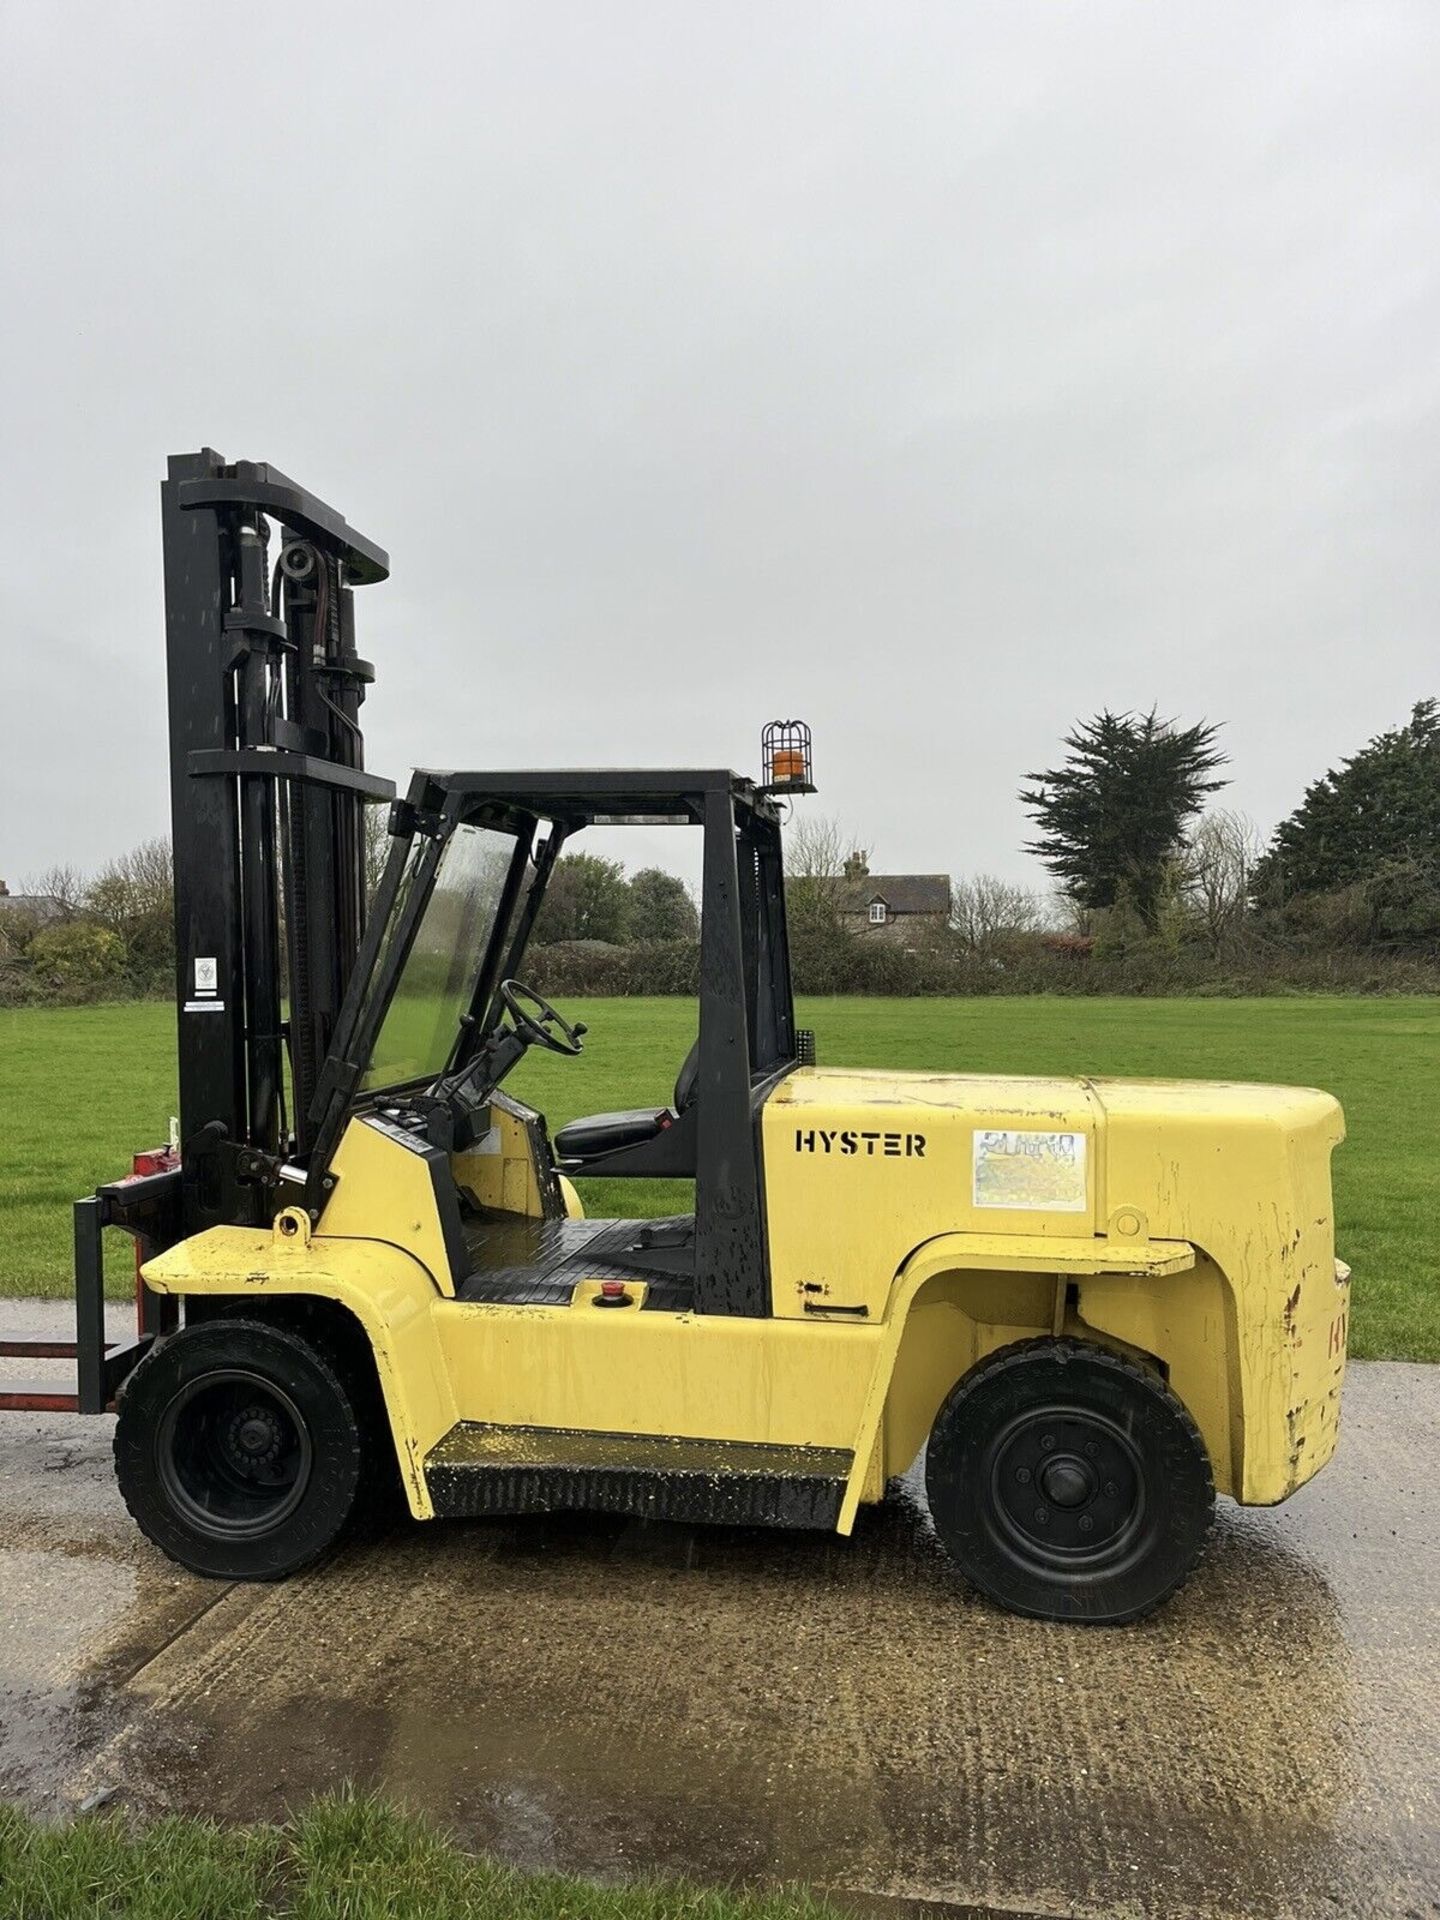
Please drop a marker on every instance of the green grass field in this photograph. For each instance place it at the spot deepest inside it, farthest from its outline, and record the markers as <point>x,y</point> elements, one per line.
<point>345,1858</point>
<point>80,1087</point>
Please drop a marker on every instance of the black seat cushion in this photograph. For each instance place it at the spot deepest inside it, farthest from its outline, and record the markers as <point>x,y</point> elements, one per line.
<point>601,1133</point>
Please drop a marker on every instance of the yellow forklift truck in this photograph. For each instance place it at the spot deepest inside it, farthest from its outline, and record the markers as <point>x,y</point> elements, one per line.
<point>1090,1302</point>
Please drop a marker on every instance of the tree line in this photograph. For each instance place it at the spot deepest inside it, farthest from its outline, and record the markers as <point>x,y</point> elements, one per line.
<point>1354,869</point>
<point>75,936</point>
<point>1156,890</point>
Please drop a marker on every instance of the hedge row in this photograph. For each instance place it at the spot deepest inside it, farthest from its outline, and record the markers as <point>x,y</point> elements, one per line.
<point>874,967</point>
<point>672,967</point>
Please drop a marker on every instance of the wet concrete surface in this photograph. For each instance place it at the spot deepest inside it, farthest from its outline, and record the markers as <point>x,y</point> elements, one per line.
<point>609,1697</point>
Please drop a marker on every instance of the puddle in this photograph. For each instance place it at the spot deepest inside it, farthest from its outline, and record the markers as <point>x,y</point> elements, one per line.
<point>83,1602</point>
<point>749,1706</point>
<point>53,1609</point>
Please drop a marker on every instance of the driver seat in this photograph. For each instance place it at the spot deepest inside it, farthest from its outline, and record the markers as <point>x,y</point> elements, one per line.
<point>602,1133</point>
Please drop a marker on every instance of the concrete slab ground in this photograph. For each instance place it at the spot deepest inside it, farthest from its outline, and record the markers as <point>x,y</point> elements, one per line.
<point>611,1698</point>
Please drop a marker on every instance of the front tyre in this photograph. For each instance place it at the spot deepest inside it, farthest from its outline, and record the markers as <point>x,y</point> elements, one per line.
<point>238,1450</point>
<point>1068,1483</point>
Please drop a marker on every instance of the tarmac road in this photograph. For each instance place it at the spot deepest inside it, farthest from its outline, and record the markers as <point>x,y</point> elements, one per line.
<point>611,1697</point>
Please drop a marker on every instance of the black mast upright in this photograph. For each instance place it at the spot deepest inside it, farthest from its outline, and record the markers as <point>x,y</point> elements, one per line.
<point>205,817</point>
<point>267,800</point>
<point>324,826</point>
<point>255,634</point>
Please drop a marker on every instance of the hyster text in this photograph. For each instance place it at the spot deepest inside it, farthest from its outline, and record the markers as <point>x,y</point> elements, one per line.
<point>897,1146</point>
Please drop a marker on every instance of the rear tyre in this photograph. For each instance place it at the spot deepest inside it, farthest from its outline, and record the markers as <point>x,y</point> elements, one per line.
<point>1068,1483</point>
<point>238,1450</point>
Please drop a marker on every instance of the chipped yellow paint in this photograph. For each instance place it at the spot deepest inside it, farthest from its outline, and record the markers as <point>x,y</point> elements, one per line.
<point>1243,1172</point>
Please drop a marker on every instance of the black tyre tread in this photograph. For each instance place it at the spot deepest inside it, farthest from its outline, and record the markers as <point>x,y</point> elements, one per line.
<point>1065,1347</point>
<point>170,1538</point>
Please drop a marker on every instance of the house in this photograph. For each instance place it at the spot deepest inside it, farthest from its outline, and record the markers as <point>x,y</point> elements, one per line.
<point>39,909</point>
<point>896,906</point>
<point>26,912</point>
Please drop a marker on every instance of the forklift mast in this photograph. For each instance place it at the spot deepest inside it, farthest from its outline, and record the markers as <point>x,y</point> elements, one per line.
<point>268,791</point>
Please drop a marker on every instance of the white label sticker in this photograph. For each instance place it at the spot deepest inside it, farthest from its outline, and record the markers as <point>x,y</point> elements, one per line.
<point>207,975</point>
<point>204,1006</point>
<point>1030,1172</point>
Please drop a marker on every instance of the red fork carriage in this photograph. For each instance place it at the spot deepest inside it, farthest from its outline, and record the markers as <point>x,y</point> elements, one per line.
<point>146,1205</point>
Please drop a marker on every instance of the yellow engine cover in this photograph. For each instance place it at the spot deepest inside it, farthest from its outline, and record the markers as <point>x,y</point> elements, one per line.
<point>864,1170</point>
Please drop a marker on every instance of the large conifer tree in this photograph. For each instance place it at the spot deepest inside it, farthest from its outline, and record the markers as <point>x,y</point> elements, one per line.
<point>1113,816</point>
<point>1376,813</point>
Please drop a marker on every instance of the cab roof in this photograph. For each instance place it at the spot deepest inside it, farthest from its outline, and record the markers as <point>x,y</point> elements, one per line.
<point>581,796</point>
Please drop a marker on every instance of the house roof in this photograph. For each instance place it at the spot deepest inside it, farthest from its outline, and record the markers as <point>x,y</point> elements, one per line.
<point>34,906</point>
<point>901,892</point>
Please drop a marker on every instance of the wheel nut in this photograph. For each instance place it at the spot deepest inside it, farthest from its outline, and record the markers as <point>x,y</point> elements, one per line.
<point>1091,1449</point>
<point>1022,1474</point>
<point>1042,1514</point>
<point>1086,1523</point>
<point>1047,1441</point>
<point>1111,1489</point>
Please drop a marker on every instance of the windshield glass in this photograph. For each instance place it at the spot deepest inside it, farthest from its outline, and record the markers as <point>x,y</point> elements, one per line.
<point>435,986</point>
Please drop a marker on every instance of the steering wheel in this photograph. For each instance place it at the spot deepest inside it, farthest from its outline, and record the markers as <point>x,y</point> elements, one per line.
<point>535,1027</point>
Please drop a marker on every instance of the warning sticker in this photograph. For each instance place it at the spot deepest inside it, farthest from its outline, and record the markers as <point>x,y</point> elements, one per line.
<point>206,974</point>
<point>1034,1172</point>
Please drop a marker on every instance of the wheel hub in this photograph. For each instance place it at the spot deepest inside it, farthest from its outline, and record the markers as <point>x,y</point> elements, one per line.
<point>253,1438</point>
<point>1067,1487</point>
<point>1067,1482</point>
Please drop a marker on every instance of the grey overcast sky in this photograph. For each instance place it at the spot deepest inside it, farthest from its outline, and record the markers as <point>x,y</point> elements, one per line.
<point>939,373</point>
